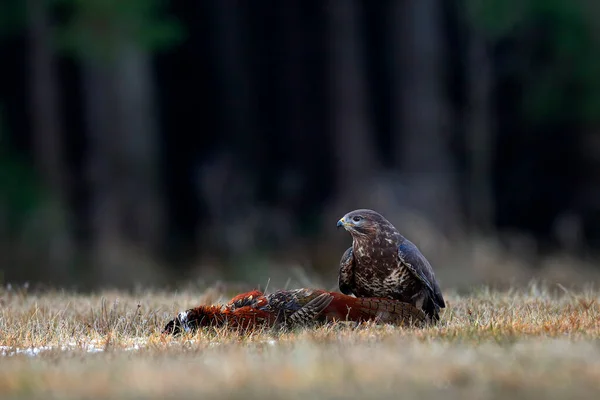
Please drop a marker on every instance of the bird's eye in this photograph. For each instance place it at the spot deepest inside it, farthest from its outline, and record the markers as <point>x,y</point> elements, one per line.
<point>356,219</point>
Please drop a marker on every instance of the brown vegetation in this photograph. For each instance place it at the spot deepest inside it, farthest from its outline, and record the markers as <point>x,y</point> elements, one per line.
<point>541,341</point>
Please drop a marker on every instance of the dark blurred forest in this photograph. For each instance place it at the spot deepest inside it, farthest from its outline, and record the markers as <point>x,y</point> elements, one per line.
<point>148,142</point>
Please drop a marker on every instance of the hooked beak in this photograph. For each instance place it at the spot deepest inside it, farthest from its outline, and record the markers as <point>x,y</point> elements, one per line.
<point>341,223</point>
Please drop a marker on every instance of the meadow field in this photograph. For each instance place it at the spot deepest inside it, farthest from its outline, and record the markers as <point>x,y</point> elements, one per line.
<point>536,342</point>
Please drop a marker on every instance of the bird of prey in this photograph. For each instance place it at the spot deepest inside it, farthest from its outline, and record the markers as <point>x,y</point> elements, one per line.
<point>383,263</point>
<point>294,308</point>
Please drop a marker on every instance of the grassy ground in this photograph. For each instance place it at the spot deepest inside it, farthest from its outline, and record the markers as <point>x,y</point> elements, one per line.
<point>538,342</point>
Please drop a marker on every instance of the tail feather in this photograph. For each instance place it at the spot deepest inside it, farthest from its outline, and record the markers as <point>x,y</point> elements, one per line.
<point>377,309</point>
<point>432,309</point>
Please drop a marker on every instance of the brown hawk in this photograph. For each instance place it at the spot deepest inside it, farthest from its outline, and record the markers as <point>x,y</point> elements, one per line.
<point>383,263</point>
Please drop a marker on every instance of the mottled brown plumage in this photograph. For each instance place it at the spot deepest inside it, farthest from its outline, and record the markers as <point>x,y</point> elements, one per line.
<point>383,263</point>
<point>292,308</point>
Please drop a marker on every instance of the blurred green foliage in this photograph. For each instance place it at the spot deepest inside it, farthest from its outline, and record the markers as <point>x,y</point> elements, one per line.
<point>92,29</point>
<point>12,16</point>
<point>20,191</point>
<point>33,221</point>
<point>96,28</point>
<point>564,82</point>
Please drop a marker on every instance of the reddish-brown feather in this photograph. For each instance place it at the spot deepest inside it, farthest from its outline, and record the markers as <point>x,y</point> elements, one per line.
<point>248,298</point>
<point>381,310</point>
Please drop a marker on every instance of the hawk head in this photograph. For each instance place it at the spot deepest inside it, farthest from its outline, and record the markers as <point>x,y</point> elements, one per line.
<point>364,222</point>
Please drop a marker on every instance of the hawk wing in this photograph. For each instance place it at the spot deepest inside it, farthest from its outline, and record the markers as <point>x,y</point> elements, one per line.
<point>411,257</point>
<point>346,274</point>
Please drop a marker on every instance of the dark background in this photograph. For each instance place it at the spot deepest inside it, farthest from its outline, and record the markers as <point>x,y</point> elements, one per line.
<point>156,142</point>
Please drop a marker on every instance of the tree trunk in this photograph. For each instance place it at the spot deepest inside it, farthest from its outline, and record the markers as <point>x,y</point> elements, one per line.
<point>45,101</point>
<point>354,152</point>
<point>127,213</point>
<point>104,174</point>
<point>47,129</point>
<point>235,78</point>
<point>138,150</point>
<point>227,186</point>
<point>294,79</point>
<point>479,134</point>
<point>422,151</point>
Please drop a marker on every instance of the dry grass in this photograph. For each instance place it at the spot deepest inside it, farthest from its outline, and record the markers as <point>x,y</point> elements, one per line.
<point>537,342</point>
